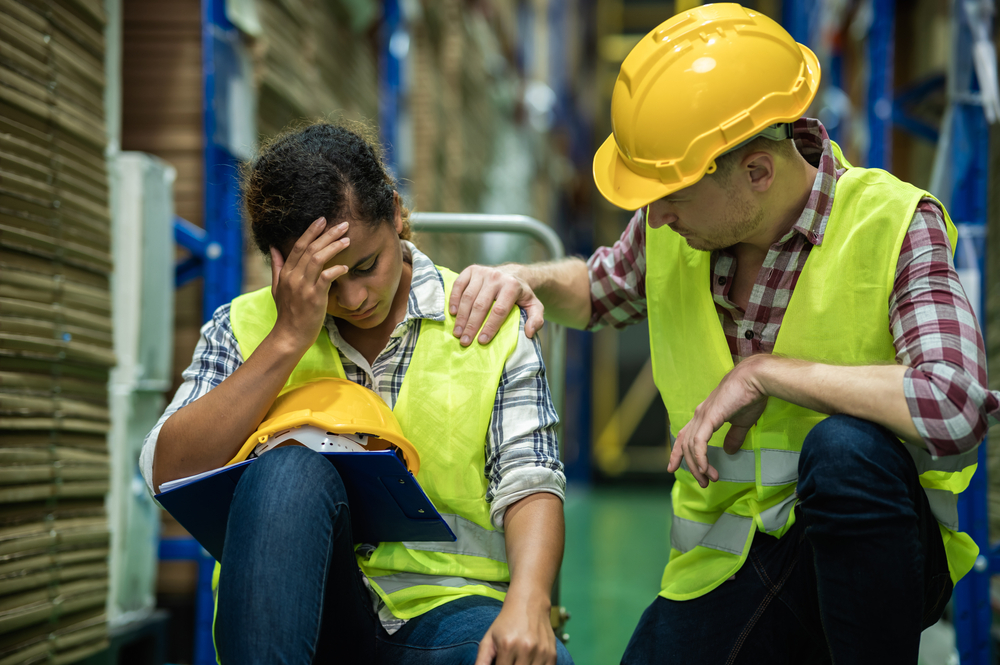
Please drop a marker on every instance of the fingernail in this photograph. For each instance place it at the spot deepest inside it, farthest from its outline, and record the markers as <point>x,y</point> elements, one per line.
<point>483,339</point>
<point>454,311</point>
<point>465,340</point>
<point>321,220</point>
<point>342,225</point>
<point>457,331</point>
<point>345,240</point>
<point>703,468</point>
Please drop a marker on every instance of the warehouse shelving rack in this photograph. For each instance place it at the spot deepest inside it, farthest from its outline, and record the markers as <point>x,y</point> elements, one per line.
<point>216,250</point>
<point>216,256</point>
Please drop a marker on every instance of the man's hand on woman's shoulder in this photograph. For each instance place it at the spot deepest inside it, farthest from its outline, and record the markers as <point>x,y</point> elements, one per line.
<point>485,291</point>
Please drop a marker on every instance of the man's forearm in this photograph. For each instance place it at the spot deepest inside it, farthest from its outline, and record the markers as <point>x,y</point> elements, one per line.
<point>563,287</point>
<point>871,392</point>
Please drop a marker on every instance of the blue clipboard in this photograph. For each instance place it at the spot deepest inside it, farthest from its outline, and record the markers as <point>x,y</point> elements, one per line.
<point>387,504</point>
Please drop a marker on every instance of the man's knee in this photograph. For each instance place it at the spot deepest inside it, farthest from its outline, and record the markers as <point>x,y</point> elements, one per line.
<point>844,451</point>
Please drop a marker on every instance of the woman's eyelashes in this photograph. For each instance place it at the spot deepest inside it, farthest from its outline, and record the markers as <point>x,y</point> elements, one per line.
<point>370,269</point>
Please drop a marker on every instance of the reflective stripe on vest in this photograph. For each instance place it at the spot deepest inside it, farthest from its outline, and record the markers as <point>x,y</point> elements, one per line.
<point>729,532</point>
<point>400,581</point>
<point>944,505</point>
<point>838,314</point>
<point>948,464</point>
<point>777,467</point>
<point>471,540</point>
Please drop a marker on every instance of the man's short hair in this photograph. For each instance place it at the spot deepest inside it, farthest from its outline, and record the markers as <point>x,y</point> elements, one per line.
<point>726,163</point>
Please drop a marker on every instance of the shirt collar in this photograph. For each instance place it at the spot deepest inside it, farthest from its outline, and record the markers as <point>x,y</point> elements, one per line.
<point>426,287</point>
<point>815,146</point>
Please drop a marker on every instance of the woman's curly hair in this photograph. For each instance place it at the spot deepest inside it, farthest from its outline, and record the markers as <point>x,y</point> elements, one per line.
<point>324,169</point>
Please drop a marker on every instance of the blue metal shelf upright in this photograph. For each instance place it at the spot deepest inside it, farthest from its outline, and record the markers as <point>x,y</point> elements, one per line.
<point>216,254</point>
<point>216,250</point>
<point>394,43</point>
<point>966,200</point>
<point>969,166</point>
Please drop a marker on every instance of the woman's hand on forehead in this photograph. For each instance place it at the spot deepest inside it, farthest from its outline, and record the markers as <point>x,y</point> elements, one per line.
<point>300,282</point>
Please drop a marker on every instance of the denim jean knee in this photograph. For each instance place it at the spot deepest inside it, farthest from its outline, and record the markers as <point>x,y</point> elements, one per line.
<point>290,478</point>
<point>290,588</point>
<point>877,549</point>
<point>844,446</point>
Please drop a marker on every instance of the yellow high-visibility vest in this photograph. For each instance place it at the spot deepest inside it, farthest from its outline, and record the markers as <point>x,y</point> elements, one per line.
<point>838,314</point>
<point>444,408</point>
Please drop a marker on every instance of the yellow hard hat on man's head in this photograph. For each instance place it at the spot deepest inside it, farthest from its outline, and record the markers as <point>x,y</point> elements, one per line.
<point>335,406</point>
<point>701,84</point>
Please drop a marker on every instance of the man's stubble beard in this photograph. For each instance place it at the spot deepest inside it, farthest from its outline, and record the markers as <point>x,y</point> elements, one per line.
<point>749,219</point>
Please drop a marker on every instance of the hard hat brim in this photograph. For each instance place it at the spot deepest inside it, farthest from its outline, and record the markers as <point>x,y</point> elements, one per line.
<point>322,420</point>
<point>619,184</point>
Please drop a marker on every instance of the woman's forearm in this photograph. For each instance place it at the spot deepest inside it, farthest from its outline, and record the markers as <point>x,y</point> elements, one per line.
<point>206,433</point>
<point>535,534</point>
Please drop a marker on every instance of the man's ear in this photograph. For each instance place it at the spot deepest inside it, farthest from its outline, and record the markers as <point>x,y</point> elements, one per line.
<point>397,205</point>
<point>757,169</point>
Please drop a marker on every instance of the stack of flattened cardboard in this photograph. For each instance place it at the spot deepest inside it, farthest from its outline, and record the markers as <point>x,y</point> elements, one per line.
<point>315,59</point>
<point>55,331</point>
<point>463,83</point>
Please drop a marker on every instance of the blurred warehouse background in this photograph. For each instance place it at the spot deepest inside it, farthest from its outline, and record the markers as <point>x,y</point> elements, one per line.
<point>122,124</point>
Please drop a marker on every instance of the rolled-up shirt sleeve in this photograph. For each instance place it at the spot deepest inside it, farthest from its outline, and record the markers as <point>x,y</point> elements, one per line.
<point>937,337</point>
<point>522,449</point>
<point>618,279</point>
<point>216,356</point>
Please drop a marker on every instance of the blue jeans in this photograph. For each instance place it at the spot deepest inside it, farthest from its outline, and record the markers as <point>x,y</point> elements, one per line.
<point>855,580</point>
<point>291,591</point>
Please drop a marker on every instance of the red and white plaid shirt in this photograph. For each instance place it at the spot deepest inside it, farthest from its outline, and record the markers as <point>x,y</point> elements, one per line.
<point>933,327</point>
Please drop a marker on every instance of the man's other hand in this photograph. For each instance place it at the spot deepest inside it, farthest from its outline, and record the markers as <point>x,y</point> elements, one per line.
<point>739,399</point>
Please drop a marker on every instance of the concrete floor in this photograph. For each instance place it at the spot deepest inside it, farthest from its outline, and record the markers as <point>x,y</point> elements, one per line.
<point>606,528</point>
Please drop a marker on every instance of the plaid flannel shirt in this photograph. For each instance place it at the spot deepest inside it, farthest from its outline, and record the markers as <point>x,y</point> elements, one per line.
<point>934,329</point>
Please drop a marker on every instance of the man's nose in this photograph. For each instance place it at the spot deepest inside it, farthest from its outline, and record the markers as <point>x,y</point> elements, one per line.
<point>662,219</point>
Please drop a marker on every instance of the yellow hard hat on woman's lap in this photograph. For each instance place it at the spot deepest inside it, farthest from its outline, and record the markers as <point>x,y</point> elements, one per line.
<point>337,408</point>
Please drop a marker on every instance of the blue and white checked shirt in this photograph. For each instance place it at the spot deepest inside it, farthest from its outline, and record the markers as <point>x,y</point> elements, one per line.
<point>522,455</point>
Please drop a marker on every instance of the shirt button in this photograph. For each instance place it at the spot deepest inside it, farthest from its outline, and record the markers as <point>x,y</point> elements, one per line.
<point>722,281</point>
<point>748,334</point>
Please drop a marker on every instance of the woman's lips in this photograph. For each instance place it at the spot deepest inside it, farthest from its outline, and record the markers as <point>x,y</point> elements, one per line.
<point>365,314</point>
